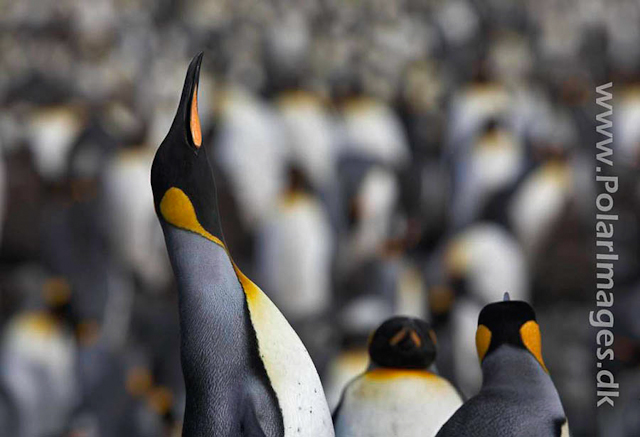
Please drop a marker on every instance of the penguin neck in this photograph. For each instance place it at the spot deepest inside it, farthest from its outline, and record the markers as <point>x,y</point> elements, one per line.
<point>205,276</point>
<point>509,365</point>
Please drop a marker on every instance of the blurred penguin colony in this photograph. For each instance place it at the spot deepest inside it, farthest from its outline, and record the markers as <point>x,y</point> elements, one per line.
<point>373,158</point>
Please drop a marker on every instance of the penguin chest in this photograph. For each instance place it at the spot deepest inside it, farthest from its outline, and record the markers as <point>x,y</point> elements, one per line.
<point>289,368</point>
<point>295,255</point>
<point>396,403</point>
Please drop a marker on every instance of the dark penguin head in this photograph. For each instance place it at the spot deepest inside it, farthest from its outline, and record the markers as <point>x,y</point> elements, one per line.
<point>510,322</point>
<point>181,178</point>
<point>403,343</point>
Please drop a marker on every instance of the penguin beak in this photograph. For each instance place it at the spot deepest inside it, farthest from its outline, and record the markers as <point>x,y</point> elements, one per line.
<point>186,123</point>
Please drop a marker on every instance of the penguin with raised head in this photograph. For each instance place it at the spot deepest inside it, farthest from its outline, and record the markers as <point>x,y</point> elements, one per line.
<point>517,397</point>
<point>246,371</point>
<point>398,395</point>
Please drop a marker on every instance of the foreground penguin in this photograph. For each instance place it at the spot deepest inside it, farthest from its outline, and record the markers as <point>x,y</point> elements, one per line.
<point>397,395</point>
<point>246,371</point>
<point>517,397</point>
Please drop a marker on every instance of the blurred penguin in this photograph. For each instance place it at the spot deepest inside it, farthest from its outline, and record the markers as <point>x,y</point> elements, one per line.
<point>309,135</point>
<point>495,163</point>
<point>37,371</point>
<point>51,134</point>
<point>3,188</point>
<point>249,148</point>
<point>481,263</point>
<point>133,231</point>
<point>370,198</point>
<point>539,203</point>
<point>398,394</point>
<point>626,127</point>
<point>471,107</point>
<point>370,129</point>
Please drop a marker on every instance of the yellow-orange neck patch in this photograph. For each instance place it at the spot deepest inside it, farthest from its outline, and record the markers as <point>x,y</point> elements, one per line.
<point>251,290</point>
<point>457,258</point>
<point>483,340</point>
<point>383,373</point>
<point>530,335</point>
<point>177,209</point>
<point>38,323</point>
<point>291,198</point>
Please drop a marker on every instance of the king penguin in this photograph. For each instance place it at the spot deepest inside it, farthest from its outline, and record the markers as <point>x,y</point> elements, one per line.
<point>517,397</point>
<point>246,371</point>
<point>398,395</point>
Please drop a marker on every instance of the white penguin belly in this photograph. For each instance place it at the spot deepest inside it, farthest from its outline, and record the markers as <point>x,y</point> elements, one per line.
<point>289,367</point>
<point>390,402</point>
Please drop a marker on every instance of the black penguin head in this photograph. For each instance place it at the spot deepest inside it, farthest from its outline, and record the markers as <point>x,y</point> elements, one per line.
<point>510,322</point>
<point>181,178</point>
<point>403,343</point>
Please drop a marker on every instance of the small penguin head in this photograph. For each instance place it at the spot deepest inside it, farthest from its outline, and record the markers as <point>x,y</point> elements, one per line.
<point>510,322</point>
<point>403,343</point>
<point>181,177</point>
<point>297,181</point>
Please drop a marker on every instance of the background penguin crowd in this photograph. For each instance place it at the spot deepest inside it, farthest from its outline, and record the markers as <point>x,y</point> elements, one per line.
<point>409,142</point>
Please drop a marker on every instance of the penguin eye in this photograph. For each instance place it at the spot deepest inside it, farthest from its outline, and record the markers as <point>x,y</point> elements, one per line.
<point>194,119</point>
<point>483,341</point>
<point>531,338</point>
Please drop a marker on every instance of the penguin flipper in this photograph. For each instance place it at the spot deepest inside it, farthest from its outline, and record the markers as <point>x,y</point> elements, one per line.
<point>262,416</point>
<point>250,426</point>
<point>336,412</point>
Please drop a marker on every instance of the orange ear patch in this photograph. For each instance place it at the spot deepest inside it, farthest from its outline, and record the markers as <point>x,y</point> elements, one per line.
<point>398,337</point>
<point>432,335</point>
<point>415,338</point>
<point>530,335</point>
<point>196,133</point>
<point>483,341</point>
